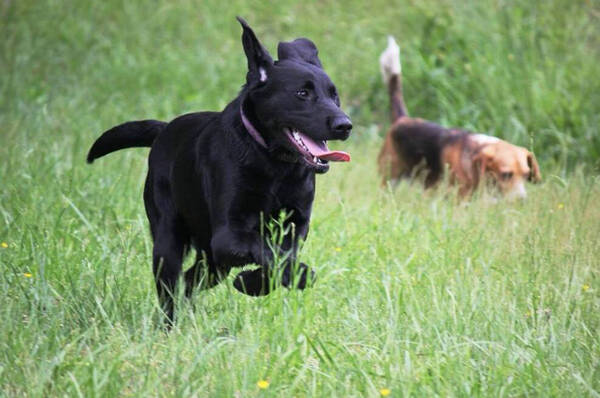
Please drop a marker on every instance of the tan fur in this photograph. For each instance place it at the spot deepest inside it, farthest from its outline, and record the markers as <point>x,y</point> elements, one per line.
<point>509,166</point>
<point>390,164</point>
<point>460,173</point>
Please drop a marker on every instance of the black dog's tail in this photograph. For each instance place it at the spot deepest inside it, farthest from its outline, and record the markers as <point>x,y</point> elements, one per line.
<point>391,71</point>
<point>127,135</point>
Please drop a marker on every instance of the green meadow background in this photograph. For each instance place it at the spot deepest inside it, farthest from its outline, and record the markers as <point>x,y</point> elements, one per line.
<point>418,294</point>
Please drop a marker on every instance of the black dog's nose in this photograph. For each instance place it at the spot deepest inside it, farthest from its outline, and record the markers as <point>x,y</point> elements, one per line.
<point>341,125</point>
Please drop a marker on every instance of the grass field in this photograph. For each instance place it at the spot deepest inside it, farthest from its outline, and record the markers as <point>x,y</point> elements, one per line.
<point>417,293</point>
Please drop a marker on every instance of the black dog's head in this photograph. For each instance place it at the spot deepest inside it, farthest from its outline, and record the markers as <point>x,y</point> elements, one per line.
<point>293,103</point>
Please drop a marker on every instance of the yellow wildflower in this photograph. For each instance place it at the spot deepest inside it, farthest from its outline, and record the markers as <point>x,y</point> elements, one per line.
<point>27,274</point>
<point>263,384</point>
<point>585,287</point>
<point>385,392</point>
<point>560,206</point>
<point>338,249</point>
<point>4,245</point>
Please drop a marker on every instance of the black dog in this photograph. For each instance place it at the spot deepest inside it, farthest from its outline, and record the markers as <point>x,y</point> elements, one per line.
<point>214,176</point>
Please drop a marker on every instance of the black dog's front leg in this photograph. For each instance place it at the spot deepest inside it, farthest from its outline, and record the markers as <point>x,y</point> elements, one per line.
<point>233,248</point>
<point>236,248</point>
<point>258,282</point>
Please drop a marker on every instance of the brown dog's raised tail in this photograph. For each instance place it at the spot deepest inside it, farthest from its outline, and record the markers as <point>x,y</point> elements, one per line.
<point>391,70</point>
<point>127,135</point>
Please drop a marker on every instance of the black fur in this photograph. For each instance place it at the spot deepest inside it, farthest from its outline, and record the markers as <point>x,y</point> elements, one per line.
<point>210,183</point>
<point>126,135</point>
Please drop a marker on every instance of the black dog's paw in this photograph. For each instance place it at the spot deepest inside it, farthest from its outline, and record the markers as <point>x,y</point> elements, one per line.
<point>298,277</point>
<point>257,283</point>
<point>253,282</point>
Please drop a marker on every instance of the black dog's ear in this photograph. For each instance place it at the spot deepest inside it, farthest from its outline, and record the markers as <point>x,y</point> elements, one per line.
<point>259,59</point>
<point>301,49</point>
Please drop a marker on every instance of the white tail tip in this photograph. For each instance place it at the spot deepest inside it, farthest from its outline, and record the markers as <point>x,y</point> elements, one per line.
<point>389,61</point>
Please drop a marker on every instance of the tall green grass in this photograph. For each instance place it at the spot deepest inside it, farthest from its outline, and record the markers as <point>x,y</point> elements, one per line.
<point>416,293</point>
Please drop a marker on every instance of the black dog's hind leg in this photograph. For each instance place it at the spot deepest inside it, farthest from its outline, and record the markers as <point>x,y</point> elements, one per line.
<point>169,243</point>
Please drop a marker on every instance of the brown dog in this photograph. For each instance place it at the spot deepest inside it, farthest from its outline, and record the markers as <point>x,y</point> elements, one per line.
<point>470,158</point>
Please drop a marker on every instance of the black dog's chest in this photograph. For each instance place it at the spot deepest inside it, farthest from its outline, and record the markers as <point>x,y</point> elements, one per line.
<point>292,192</point>
<point>219,191</point>
<point>292,200</point>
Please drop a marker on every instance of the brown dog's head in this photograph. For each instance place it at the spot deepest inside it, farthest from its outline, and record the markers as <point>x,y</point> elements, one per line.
<point>509,166</point>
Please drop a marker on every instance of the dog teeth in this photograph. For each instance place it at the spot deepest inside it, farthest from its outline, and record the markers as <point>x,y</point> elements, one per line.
<point>298,139</point>
<point>296,136</point>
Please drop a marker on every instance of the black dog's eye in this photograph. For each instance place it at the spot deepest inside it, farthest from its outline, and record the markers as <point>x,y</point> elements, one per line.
<point>302,93</point>
<point>507,175</point>
<point>334,95</point>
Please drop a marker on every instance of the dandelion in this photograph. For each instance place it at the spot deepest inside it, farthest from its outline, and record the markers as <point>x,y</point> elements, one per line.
<point>385,392</point>
<point>338,249</point>
<point>27,274</point>
<point>263,384</point>
<point>585,287</point>
<point>4,245</point>
<point>560,206</point>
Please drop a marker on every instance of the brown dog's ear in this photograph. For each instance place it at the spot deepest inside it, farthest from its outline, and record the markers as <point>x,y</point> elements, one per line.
<point>534,174</point>
<point>482,159</point>
<point>302,50</point>
<point>259,59</point>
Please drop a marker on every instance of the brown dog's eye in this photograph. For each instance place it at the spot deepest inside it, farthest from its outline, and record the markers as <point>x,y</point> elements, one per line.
<point>507,175</point>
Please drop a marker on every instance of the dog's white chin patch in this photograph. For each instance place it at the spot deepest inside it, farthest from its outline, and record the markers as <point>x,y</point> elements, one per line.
<point>517,192</point>
<point>263,74</point>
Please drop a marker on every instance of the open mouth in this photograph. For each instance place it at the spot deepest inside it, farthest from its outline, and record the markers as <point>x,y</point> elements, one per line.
<point>315,153</point>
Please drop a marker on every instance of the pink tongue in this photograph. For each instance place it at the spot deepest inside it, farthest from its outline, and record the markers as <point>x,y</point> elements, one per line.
<point>321,151</point>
